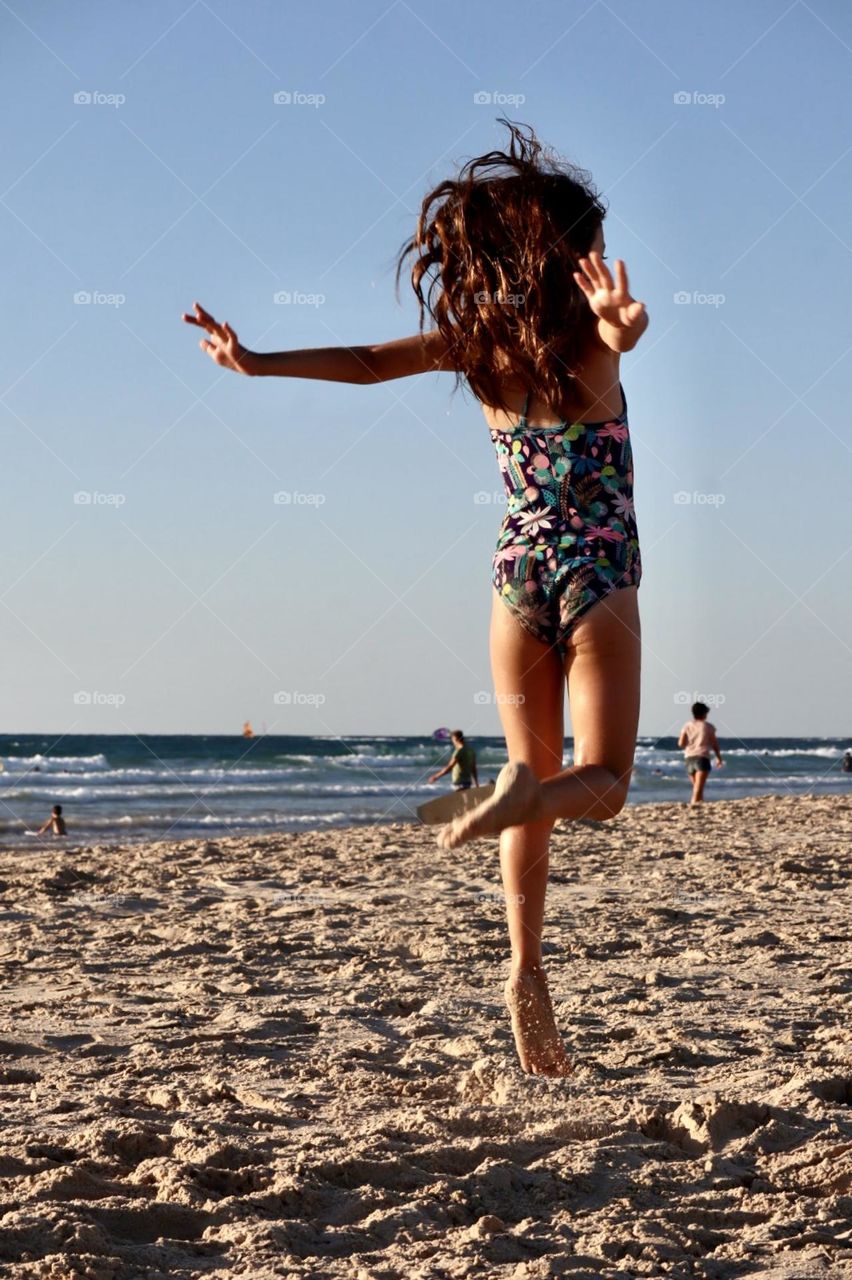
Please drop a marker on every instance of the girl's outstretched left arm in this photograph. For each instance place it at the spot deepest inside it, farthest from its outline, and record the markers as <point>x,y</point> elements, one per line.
<point>378,362</point>
<point>621,319</point>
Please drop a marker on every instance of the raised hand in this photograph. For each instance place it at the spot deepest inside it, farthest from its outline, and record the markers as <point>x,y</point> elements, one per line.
<point>610,299</point>
<point>222,344</point>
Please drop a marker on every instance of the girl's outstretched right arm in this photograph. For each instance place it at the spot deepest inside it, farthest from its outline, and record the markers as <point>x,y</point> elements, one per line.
<point>379,362</point>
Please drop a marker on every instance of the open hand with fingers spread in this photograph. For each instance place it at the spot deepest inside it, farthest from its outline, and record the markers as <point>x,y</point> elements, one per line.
<point>610,299</point>
<point>222,344</point>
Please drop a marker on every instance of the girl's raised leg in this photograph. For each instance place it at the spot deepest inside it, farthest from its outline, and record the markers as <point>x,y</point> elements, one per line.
<point>603,667</point>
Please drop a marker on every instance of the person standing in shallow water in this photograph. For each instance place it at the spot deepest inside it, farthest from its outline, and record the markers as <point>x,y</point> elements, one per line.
<point>508,264</point>
<point>462,763</point>
<point>698,739</point>
<point>55,823</point>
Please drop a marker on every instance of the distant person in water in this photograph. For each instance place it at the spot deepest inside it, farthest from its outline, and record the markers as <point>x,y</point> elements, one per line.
<point>462,763</point>
<point>55,822</point>
<point>698,739</point>
<point>846,763</point>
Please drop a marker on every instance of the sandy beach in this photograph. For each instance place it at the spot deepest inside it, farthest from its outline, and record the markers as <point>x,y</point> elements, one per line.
<point>288,1056</point>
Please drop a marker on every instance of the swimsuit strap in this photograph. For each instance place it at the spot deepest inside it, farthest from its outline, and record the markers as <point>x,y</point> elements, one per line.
<point>526,406</point>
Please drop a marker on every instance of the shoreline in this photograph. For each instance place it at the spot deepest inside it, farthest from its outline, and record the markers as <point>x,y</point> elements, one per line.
<point>122,791</point>
<point>288,1055</point>
<point>227,838</point>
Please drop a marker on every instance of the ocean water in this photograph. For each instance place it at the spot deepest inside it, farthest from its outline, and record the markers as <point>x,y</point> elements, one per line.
<point>120,788</point>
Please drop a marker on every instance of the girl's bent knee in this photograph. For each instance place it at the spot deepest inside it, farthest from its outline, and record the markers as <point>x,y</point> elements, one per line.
<point>609,800</point>
<point>615,798</point>
<point>611,808</point>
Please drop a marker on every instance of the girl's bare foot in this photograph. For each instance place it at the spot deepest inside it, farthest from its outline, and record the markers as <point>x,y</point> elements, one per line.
<point>537,1039</point>
<point>516,799</point>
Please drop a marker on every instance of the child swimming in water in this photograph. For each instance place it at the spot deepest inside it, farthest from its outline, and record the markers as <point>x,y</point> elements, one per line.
<point>55,823</point>
<point>508,264</point>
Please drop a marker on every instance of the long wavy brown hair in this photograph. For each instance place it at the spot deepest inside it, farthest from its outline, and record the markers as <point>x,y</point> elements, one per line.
<point>493,260</point>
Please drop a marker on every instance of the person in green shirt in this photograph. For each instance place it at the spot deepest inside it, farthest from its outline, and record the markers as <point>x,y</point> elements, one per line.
<point>462,763</point>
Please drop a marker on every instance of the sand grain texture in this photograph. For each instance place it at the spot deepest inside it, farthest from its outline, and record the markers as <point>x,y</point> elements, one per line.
<point>288,1056</point>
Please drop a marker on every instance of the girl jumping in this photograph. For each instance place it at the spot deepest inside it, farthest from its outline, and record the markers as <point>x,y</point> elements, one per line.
<point>508,264</point>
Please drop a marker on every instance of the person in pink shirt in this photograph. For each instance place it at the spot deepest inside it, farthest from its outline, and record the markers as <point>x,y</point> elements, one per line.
<point>698,739</point>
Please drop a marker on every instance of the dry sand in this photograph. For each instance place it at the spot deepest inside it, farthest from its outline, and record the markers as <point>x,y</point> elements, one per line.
<point>288,1056</point>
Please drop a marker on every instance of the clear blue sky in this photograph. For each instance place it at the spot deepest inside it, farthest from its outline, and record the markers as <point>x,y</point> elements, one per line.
<point>197,597</point>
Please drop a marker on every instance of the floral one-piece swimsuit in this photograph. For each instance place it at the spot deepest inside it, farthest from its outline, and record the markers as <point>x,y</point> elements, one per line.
<point>569,535</point>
